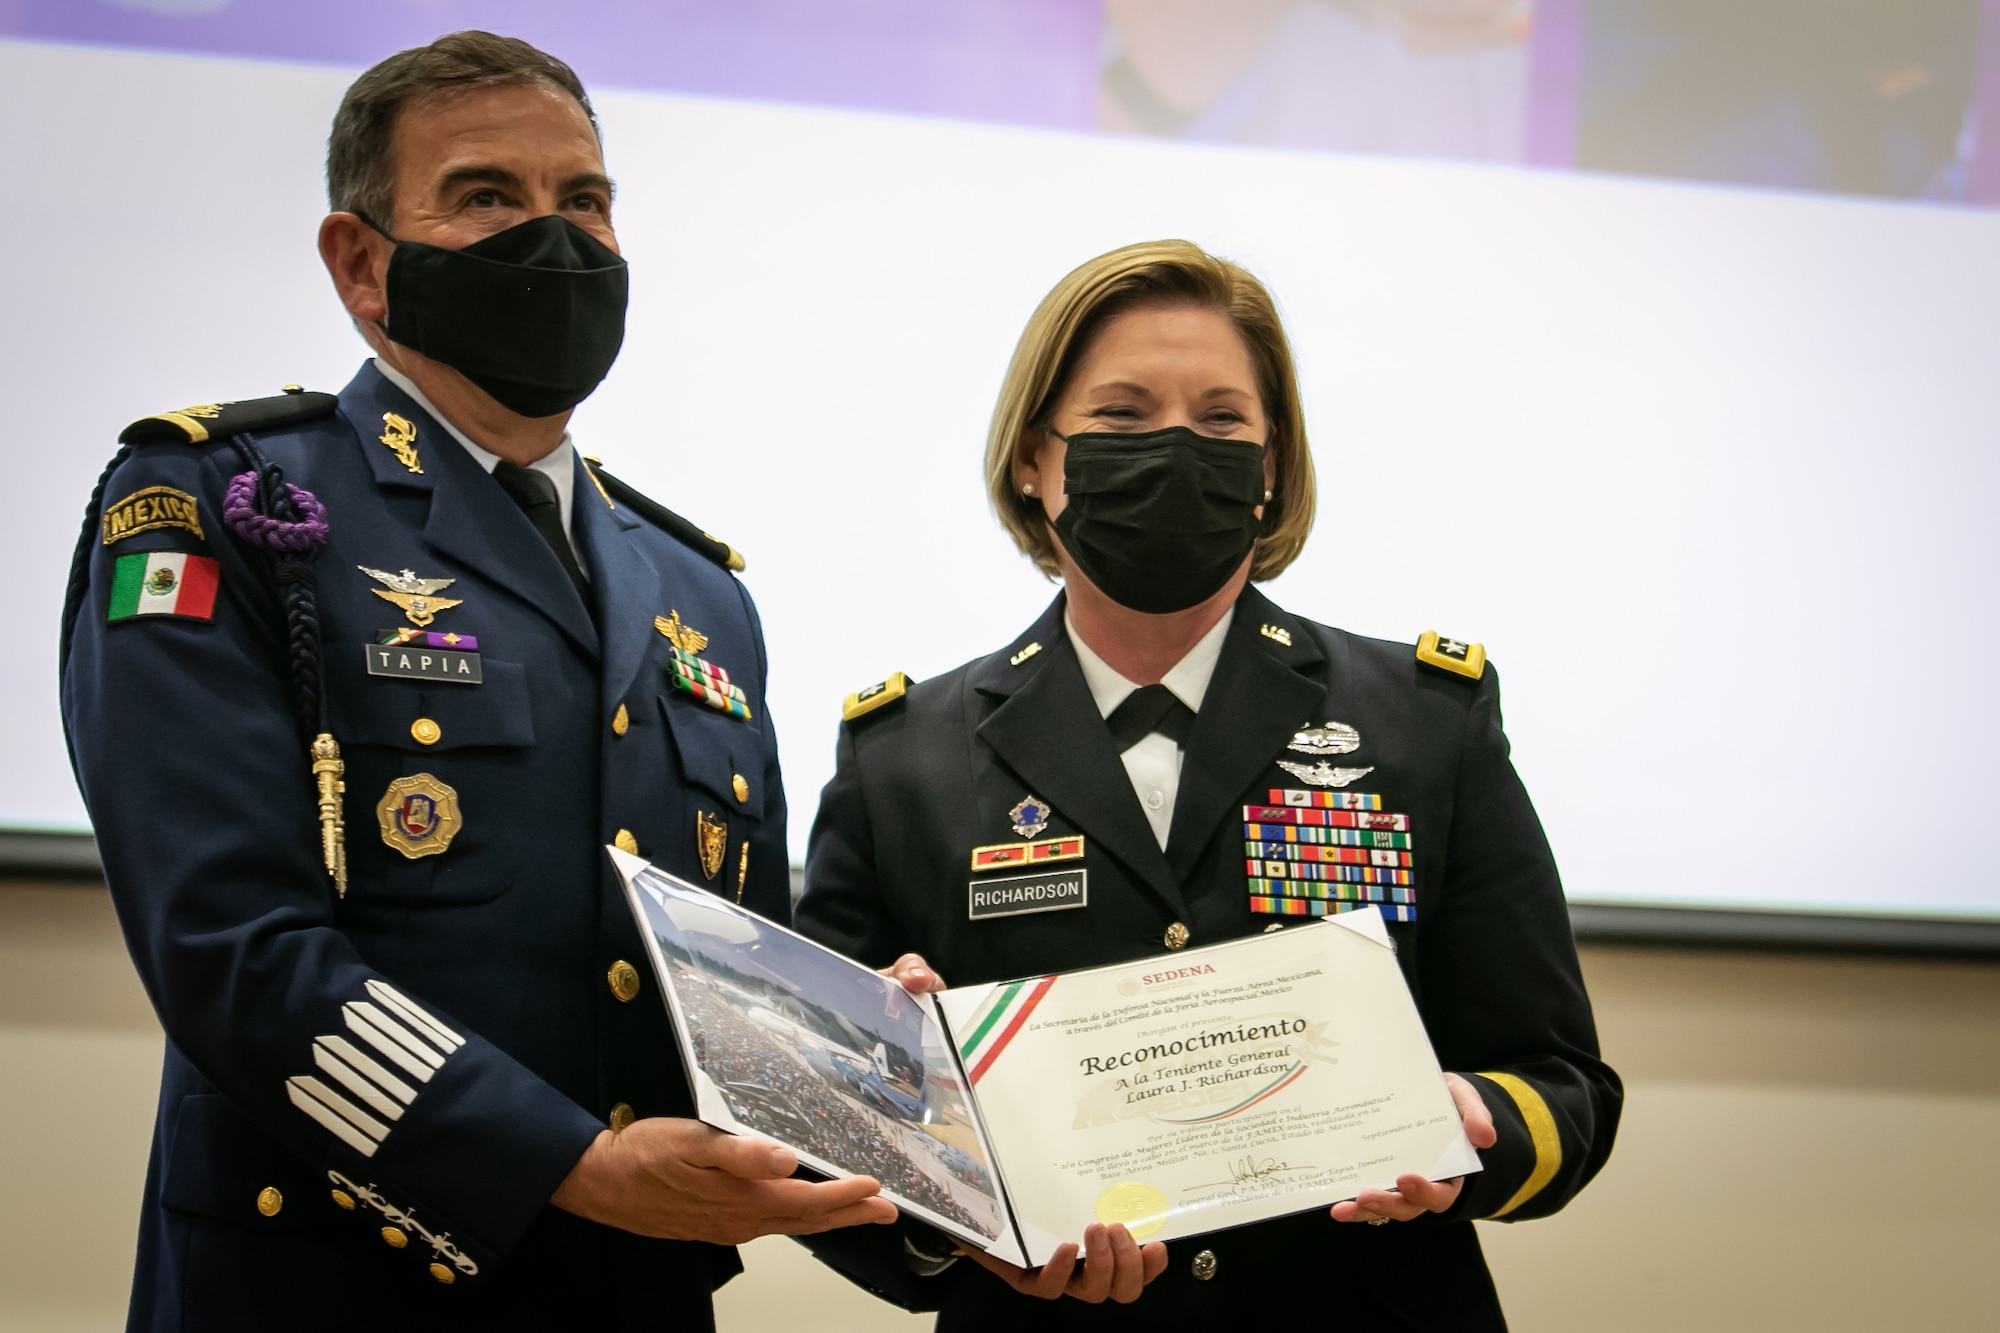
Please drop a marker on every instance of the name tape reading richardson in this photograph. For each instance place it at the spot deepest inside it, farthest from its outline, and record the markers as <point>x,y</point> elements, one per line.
<point>1018,895</point>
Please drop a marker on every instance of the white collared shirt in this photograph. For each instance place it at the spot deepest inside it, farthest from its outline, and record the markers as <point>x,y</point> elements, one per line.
<point>1154,764</point>
<point>558,465</point>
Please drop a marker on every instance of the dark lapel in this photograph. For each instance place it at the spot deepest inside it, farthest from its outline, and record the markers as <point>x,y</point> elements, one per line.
<point>1262,691</point>
<point>1048,730</point>
<point>471,519</point>
<point>624,579</point>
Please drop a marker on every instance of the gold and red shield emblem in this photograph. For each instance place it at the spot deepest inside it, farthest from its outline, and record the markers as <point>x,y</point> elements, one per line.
<point>419,815</point>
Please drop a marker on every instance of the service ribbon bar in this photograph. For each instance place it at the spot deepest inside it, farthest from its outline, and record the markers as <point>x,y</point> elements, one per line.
<point>731,702</point>
<point>1351,856</point>
<point>1276,870</point>
<point>1005,854</point>
<point>700,666</point>
<point>1326,800</point>
<point>1306,907</point>
<point>1333,893</point>
<point>396,638</point>
<point>1357,819</point>
<point>1326,837</point>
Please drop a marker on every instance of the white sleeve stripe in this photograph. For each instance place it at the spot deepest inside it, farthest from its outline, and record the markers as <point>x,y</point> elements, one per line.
<point>416,1014</point>
<point>378,1101</point>
<point>387,1081</point>
<point>345,1132</point>
<point>397,1056</point>
<point>416,1045</point>
<point>353,1114</point>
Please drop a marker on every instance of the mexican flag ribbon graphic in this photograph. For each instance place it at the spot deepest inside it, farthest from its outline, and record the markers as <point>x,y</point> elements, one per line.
<point>163,583</point>
<point>994,1026</point>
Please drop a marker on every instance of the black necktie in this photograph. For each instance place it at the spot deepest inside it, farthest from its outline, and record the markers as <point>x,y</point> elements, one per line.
<point>1148,709</point>
<point>536,494</point>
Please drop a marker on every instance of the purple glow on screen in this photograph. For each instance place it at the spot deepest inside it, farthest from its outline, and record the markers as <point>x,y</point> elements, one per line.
<point>1023,62</point>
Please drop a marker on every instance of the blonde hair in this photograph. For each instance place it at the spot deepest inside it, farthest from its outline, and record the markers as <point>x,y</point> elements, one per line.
<point>1061,330</point>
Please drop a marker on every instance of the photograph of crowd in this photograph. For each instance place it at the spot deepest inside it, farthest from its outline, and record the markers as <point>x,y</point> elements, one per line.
<point>822,1055</point>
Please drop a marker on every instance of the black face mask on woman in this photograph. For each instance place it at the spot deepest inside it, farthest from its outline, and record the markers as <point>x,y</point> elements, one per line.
<point>1159,521</point>
<point>534,315</point>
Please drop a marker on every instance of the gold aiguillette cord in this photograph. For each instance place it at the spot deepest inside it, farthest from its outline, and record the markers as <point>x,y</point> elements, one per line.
<point>328,770</point>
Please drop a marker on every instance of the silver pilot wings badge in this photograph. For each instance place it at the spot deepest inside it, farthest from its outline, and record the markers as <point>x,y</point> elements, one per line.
<point>1323,774</point>
<point>411,593</point>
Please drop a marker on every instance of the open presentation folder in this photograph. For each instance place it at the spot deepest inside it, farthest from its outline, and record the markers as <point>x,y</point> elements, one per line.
<point>1177,1094</point>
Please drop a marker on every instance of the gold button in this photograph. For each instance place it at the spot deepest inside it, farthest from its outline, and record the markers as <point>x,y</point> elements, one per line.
<point>269,1201</point>
<point>425,732</point>
<point>443,1274</point>
<point>625,842</point>
<point>621,1117</point>
<point>624,979</point>
<point>741,786</point>
<point>1203,1266</point>
<point>295,388</point>
<point>621,721</point>
<point>344,1199</point>
<point>394,1238</point>
<point>1177,935</point>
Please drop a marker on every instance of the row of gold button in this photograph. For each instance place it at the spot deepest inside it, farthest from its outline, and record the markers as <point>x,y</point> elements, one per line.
<point>271,1201</point>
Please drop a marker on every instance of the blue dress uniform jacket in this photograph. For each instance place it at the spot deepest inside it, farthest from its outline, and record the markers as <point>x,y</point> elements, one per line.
<point>1489,956</point>
<point>367,1100</point>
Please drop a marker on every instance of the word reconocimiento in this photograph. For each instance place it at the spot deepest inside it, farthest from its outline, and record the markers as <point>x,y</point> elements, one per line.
<point>1201,1041</point>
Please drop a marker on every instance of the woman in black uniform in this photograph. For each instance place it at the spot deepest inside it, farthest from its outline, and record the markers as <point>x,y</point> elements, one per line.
<point>1148,449</point>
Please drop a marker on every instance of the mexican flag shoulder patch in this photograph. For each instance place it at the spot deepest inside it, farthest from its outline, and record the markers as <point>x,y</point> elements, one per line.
<point>163,583</point>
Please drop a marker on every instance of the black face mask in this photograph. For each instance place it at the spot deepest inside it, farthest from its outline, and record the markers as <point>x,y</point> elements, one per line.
<point>534,315</point>
<point>1160,521</point>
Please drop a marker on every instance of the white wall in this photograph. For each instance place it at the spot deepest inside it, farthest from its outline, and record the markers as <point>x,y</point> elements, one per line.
<point>1707,470</point>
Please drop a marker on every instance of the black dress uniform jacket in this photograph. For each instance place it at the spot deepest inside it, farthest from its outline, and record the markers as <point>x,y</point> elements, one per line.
<point>1490,956</point>
<point>487,964</point>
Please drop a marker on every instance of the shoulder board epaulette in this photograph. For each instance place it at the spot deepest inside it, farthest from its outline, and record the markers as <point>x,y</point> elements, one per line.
<point>863,702</point>
<point>216,421</point>
<point>616,492</point>
<point>1453,655</point>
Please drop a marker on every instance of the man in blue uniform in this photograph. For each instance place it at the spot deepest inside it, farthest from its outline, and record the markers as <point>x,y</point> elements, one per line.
<point>357,688</point>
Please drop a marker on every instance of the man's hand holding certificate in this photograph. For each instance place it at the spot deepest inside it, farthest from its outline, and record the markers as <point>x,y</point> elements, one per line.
<point>1175,1096</point>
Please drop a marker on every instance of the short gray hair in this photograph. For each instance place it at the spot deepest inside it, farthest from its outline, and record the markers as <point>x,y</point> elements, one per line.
<point>360,161</point>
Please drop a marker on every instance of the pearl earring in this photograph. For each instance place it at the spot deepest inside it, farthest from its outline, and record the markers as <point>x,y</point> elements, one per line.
<point>1267,497</point>
<point>1029,489</point>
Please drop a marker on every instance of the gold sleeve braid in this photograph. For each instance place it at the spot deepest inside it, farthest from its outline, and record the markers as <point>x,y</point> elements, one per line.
<point>1542,1133</point>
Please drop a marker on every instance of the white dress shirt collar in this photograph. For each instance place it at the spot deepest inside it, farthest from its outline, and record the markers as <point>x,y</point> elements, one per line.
<point>1154,764</point>
<point>1188,679</point>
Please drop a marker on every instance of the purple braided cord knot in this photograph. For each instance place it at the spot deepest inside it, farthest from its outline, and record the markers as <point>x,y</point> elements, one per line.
<point>276,535</point>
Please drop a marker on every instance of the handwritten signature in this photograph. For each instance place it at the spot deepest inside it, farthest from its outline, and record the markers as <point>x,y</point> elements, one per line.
<point>1247,1174</point>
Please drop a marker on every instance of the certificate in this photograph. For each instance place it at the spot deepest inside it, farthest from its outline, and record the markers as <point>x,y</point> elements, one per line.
<point>1208,1088</point>
<point>1177,1095</point>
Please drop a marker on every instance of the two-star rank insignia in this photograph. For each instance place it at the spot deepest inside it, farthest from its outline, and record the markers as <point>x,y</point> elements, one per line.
<point>413,594</point>
<point>1453,655</point>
